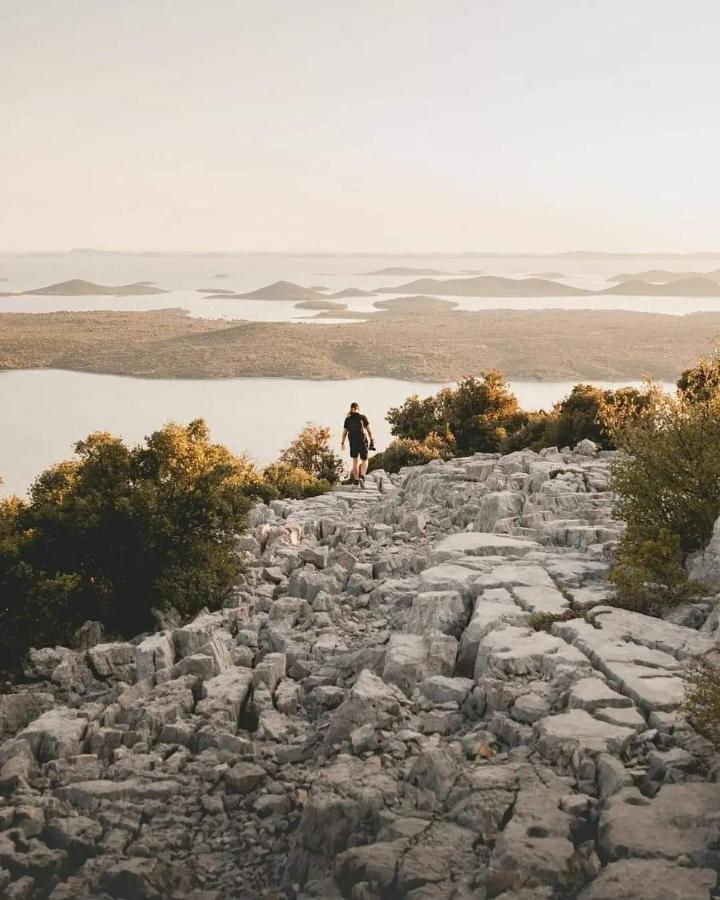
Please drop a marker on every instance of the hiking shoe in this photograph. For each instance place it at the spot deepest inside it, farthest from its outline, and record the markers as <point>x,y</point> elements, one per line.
<point>349,481</point>
<point>361,479</point>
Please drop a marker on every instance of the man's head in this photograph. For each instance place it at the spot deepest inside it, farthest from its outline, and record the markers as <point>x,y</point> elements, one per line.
<point>354,407</point>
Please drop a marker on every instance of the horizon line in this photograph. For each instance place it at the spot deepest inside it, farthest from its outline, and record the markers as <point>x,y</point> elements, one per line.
<point>93,251</point>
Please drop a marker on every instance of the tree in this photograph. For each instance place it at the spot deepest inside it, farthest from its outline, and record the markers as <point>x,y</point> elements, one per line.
<point>417,418</point>
<point>120,530</point>
<point>311,452</point>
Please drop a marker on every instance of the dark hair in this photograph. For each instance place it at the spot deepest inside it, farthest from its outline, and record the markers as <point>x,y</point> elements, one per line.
<point>354,407</point>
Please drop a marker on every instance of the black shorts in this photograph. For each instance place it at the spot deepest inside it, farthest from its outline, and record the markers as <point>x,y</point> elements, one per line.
<point>358,447</point>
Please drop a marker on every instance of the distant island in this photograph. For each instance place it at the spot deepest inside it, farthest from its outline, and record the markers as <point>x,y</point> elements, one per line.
<point>219,292</point>
<point>494,286</point>
<point>77,287</point>
<point>352,292</point>
<point>282,290</point>
<point>320,305</point>
<point>403,306</point>
<point>664,276</point>
<point>547,275</point>
<point>683,287</point>
<point>404,270</point>
<point>486,286</point>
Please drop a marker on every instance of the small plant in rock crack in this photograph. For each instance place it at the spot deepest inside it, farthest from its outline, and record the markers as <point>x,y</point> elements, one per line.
<point>543,621</point>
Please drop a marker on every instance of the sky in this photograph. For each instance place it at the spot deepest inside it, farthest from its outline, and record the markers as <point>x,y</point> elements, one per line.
<point>380,126</point>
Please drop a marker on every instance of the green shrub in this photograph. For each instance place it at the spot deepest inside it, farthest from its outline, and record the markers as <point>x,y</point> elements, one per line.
<point>408,452</point>
<point>668,475</point>
<point>118,531</point>
<point>649,575</point>
<point>702,702</point>
<point>293,482</point>
<point>667,479</point>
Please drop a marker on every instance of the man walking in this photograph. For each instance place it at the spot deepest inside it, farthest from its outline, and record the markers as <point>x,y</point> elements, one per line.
<point>356,429</point>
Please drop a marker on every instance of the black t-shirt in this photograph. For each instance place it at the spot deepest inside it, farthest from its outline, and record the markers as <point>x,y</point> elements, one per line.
<point>354,424</point>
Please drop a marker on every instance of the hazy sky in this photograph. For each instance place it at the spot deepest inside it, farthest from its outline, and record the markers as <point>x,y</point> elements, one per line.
<point>380,125</point>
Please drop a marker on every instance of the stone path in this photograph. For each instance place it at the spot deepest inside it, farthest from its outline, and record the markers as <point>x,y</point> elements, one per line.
<point>418,691</point>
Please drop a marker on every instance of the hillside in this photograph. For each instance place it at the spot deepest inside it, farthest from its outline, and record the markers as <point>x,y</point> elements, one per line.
<point>377,700</point>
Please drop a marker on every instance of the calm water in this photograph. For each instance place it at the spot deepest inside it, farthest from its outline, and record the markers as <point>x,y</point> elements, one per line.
<point>46,411</point>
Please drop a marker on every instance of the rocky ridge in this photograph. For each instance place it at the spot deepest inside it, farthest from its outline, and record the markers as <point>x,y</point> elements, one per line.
<point>417,691</point>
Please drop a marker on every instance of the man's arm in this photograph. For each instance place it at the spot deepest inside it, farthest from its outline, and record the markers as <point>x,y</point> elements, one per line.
<point>369,431</point>
<point>344,438</point>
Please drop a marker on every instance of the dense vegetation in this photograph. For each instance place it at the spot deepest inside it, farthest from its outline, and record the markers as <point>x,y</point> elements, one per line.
<point>483,415</point>
<point>119,531</point>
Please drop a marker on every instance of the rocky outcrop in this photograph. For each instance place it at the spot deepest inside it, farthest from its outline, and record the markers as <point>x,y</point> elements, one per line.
<point>417,691</point>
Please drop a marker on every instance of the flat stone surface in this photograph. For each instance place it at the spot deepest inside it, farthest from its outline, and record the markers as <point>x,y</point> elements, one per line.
<point>476,543</point>
<point>559,735</point>
<point>541,600</point>
<point>622,624</point>
<point>642,879</point>
<point>682,820</point>
<point>514,651</point>
<point>591,693</point>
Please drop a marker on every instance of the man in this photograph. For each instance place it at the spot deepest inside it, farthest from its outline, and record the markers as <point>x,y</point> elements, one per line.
<point>356,429</point>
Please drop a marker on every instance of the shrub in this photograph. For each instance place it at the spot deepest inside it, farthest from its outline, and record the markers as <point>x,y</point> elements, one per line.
<point>701,383</point>
<point>311,452</point>
<point>667,479</point>
<point>649,575</point>
<point>408,452</point>
<point>668,476</point>
<point>118,531</point>
<point>702,702</point>
<point>294,483</point>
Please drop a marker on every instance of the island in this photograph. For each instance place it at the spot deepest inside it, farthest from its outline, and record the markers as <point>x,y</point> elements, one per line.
<point>324,305</point>
<point>352,292</point>
<point>78,287</point>
<point>683,287</point>
<point>664,276</point>
<point>281,290</point>
<point>486,286</point>
<point>403,271</point>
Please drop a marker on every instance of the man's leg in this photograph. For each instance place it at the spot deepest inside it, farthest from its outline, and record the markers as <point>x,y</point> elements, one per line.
<point>355,467</point>
<point>363,468</point>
